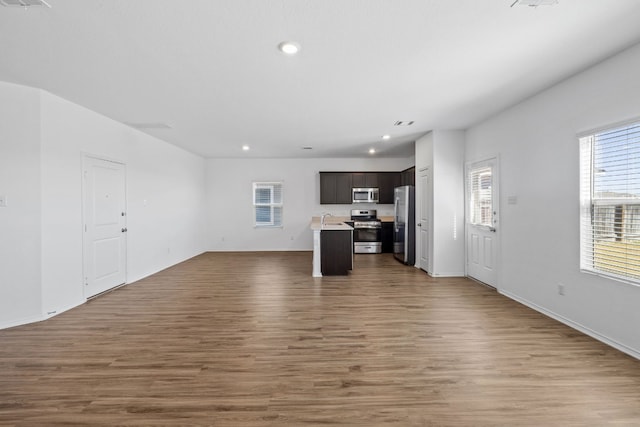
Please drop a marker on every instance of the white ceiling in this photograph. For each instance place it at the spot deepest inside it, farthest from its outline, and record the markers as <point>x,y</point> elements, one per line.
<point>211,69</point>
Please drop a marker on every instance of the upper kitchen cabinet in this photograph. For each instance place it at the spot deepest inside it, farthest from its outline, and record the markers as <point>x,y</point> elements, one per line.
<point>335,188</point>
<point>408,176</point>
<point>365,179</point>
<point>387,182</point>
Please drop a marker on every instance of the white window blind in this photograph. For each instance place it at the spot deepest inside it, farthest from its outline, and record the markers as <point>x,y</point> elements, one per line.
<point>267,203</point>
<point>481,197</point>
<point>610,203</point>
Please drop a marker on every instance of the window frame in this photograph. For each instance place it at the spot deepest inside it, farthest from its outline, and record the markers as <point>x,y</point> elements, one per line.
<point>596,204</point>
<point>274,206</point>
<point>481,196</point>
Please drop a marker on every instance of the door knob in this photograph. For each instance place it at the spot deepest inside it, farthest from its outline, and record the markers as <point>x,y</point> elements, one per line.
<point>124,230</point>
<point>419,224</point>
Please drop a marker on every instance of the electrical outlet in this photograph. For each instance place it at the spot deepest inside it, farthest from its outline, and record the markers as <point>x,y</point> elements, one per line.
<point>560,288</point>
<point>3,201</point>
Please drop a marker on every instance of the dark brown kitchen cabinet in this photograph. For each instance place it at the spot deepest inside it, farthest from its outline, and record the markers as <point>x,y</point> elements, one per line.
<point>365,179</point>
<point>387,237</point>
<point>335,188</point>
<point>336,252</point>
<point>408,176</point>
<point>388,181</point>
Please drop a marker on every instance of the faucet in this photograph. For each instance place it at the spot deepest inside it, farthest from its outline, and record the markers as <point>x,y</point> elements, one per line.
<point>323,218</point>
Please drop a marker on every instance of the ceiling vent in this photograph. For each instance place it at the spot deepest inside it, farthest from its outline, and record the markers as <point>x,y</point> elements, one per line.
<point>403,123</point>
<point>24,3</point>
<point>534,3</point>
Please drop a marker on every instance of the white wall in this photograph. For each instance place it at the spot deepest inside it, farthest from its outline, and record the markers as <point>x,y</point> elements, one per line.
<point>165,198</point>
<point>442,152</point>
<point>538,149</point>
<point>20,271</point>
<point>165,201</point>
<point>230,211</point>
<point>448,202</point>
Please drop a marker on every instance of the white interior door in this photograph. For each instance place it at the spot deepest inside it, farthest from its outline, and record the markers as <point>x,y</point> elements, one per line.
<point>482,221</point>
<point>105,243</point>
<point>423,224</point>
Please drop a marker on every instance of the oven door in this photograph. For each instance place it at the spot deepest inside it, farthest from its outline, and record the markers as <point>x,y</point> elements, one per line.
<point>367,240</point>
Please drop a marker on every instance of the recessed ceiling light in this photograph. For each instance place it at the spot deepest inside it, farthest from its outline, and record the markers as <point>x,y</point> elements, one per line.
<point>245,148</point>
<point>289,48</point>
<point>385,137</point>
<point>372,151</point>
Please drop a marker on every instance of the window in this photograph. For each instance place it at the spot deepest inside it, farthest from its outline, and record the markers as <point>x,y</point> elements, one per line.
<point>480,200</point>
<point>610,203</point>
<point>267,203</point>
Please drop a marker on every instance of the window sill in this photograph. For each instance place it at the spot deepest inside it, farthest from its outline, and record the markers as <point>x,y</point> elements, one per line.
<point>612,277</point>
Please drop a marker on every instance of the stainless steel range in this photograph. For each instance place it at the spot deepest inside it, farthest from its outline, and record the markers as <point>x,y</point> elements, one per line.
<point>367,231</point>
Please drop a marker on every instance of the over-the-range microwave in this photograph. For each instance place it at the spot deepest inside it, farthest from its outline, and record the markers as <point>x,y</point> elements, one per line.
<point>365,195</point>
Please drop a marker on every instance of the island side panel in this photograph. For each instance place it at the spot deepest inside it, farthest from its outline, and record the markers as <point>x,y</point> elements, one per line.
<point>317,270</point>
<point>336,252</point>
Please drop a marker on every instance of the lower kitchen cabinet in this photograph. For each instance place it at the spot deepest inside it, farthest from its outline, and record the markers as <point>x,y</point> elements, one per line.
<point>387,237</point>
<point>336,252</point>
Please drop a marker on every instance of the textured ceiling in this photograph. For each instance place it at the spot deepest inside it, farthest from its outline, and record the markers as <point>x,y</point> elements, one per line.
<point>211,69</point>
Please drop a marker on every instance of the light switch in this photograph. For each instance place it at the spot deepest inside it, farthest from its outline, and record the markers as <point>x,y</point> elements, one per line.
<point>3,201</point>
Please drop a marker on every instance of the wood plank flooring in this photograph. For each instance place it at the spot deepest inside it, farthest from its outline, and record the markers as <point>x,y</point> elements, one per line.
<point>251,339</point>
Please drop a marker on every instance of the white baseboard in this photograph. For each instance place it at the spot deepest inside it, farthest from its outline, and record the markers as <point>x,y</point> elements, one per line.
<point>20,322</point>
<point>448,274</point>
<point>585,330</point>
<point>34,319</point>
<point>51,313</point>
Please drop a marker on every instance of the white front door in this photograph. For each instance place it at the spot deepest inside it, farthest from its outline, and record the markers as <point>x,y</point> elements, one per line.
<point>423,223</point>
<point>104,215</point>
<point>482,221</point>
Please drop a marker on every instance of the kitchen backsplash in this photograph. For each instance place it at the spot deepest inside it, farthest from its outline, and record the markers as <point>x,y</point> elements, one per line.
<point>345,210</point>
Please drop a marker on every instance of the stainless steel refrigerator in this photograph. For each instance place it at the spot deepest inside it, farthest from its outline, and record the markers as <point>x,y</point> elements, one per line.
<point>404,225</point>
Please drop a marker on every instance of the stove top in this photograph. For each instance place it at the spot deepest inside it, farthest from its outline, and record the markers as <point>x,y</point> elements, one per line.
<point>364,215</point>
<point>365,218</point>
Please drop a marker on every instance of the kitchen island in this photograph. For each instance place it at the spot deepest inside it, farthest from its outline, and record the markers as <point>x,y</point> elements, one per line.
<point>332,247</point>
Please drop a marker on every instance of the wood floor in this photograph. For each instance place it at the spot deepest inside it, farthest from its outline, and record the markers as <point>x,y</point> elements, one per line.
<point>250,339</point>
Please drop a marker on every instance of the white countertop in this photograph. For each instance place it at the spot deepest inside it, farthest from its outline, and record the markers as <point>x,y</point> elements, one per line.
<point>331,223</point>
